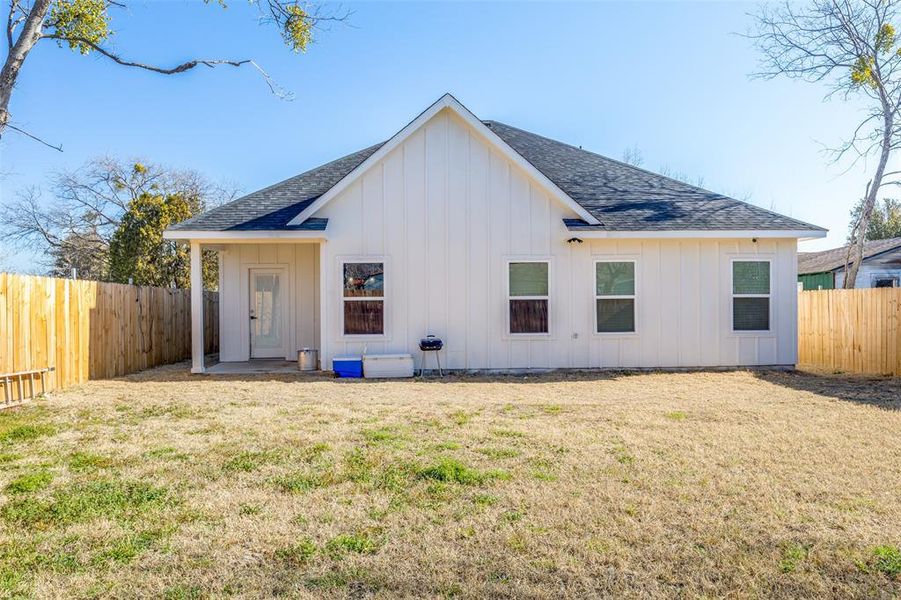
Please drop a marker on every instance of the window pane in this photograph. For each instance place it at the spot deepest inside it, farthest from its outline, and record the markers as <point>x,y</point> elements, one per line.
<point>528,279</point>
<point>751,277</point>
<point>750,314</point>
<point>615,278</point>
<point>364,317</point>
<point>528,316</point>
<point>616,315</point>
<point>364,280</point>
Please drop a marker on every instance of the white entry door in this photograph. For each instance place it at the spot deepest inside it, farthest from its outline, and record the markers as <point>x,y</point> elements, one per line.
<point>267,327</point>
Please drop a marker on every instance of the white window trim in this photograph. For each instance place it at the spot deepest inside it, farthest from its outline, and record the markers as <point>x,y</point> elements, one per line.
<point>342,299</point>
<point>733,296</point>
<point>633,297</point>
<point>550,291</point>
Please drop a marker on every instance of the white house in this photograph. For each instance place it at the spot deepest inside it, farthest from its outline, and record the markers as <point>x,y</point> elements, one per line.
<point>517,250</point>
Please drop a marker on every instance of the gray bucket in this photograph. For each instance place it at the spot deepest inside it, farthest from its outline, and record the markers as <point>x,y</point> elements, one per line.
<point>308,359</point>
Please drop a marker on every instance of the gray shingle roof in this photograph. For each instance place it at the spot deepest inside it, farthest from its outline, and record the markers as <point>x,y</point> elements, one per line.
<point>620,196</point>
<point>626,198</point>
<point>272,207</point>
<point>830,260</point>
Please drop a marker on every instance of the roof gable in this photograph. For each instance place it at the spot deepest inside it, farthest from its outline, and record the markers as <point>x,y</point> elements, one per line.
<point>611,198</point>
<point>446,102</point>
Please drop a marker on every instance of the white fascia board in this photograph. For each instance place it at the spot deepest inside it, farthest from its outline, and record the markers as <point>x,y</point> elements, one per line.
<point>445,102</point>
<point>261,236</point>
<point>804,234</point>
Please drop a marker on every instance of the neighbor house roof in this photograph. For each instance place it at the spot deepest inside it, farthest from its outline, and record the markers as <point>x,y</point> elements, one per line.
<point>831,260</point>
<point>620,196</point>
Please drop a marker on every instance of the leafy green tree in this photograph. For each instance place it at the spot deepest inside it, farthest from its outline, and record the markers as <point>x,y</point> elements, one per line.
<point>86,27</point>
<point>885,222</point>
<point>853,47</point>
<point>88,208</point>
<point>138,252</point>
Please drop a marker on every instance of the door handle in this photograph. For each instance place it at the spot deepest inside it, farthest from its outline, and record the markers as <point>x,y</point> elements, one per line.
<point>252,318</point>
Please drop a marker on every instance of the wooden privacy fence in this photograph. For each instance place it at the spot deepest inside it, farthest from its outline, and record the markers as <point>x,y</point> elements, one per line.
<point>90,330</point>
<point>854,331</point>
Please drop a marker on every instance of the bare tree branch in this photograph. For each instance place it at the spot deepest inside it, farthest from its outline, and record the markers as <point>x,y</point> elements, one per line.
<point>34,137</point>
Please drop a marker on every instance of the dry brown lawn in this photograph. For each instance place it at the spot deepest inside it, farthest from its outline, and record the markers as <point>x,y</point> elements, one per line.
<point>568,485</point>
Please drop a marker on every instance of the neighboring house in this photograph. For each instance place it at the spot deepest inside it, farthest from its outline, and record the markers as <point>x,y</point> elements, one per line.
<point>881,266</point>
<point>517,250</point>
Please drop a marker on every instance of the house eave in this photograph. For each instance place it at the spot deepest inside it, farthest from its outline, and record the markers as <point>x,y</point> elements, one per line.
<point>800,234</point>
<point>245,237</point>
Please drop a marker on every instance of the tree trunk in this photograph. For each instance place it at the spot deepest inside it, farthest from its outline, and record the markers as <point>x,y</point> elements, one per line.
<point>859,235</point>
<point>29,36</point>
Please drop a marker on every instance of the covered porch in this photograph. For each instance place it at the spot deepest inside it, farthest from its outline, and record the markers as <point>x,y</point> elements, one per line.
<point>269,300</point>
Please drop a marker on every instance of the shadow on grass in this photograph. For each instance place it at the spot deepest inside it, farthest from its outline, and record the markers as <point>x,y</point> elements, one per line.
<point>882,392</point>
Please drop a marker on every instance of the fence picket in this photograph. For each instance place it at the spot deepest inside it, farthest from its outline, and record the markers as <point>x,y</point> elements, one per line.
<point>853,331</point>
<point>89,330</point>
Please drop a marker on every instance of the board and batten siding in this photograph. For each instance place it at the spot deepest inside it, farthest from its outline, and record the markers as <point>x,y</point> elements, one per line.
<point>300,295</point>
<point>445,212</point>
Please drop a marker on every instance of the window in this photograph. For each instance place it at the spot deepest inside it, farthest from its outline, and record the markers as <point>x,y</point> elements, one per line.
<point>750,295</point>
<point>615,296</point>
<point>880,281</point>
<point>364,298</point>
<point>528,297</point>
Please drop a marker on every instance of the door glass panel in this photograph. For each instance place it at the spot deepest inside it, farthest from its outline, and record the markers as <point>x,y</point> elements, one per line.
<point>266,327</point>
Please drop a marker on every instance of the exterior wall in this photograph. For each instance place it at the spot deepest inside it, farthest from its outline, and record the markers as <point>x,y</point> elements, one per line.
<point>883,265</point>
<point>444,212</point>
<point>817,281</point>
<point>300,296</point>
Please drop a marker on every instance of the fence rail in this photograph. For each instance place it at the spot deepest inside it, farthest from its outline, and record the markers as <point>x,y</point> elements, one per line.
<point>91,330</point>
<point>853,331</point>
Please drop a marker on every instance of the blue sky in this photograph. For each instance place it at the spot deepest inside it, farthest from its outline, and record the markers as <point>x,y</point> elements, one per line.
<point>670,78</point>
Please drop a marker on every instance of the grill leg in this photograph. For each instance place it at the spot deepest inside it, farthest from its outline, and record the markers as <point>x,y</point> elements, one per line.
<point>438,359</point>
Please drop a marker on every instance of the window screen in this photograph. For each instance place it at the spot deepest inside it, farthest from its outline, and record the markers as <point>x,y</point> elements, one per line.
<point>750,295</point>
<point>364,298</point>
<point>528,301</point>
<point>615,296</point>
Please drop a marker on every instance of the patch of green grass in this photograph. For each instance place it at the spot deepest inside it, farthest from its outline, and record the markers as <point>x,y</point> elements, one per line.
<point>552,409</point>
<point>85,461</point>
<point>512,516</point>
<point>29,482</point>
<point>792,556</point>
<point>357,466</point>
<point>249,509</point>
<point>887,560</point>
<point>361,582</point>
<point>183,591</point>
<point>304,481</point>
<point>449,470</point>
<point>447,446</point>
<point>297,554</point>
<point>382,435</point>
<point>358,543</point>
<point>24,433</point>
<point>84,501</point>
<point>484,500</point>
<point>167,452</point>
<point>508,433</point>
<point>461,417</point>
<point>499,452</point>
<point>248,461</point>
<point>124,549</point>
<point>543,475</point>
<point>315,451</point>
<point>676,415</point>
<point>8,457</point>
<point>622,455</point>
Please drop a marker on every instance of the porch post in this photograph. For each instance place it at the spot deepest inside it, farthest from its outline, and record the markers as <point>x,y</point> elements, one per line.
<point>196,308</point>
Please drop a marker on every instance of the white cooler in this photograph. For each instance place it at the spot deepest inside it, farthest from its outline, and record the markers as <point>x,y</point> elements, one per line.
<point>387,365</point>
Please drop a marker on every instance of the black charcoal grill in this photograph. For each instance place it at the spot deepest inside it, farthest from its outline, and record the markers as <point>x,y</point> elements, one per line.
<point>430,343</point>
